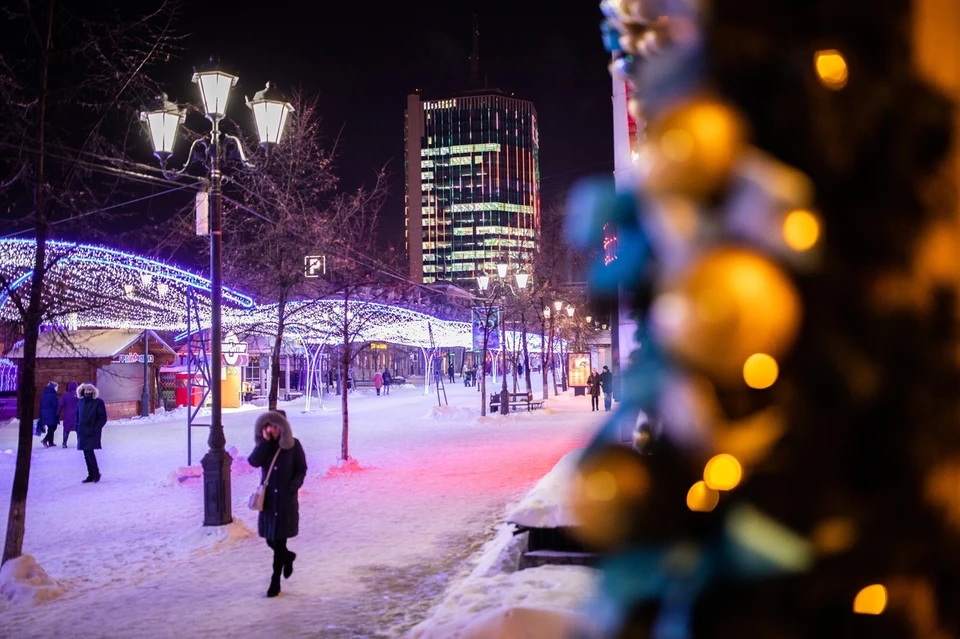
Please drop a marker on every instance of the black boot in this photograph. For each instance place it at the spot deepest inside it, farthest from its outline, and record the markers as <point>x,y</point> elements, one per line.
<point>288,564</point>
<point>274,588</point>
<point>88,480</point>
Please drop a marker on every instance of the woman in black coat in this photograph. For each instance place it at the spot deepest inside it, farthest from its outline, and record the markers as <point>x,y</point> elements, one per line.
<point>280,518</point>
<point>91,418</point>
<point>49,402</point>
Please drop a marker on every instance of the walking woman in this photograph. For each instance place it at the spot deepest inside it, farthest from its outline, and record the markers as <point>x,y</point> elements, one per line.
<point>593,383</point>
<point>280,518</point>
<point>48,413</point>
<point>67,410</point>
<point>91,418</point>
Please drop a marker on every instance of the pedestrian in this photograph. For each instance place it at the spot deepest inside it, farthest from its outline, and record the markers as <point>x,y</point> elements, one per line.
<point>350,379</point>
<point>606,385</point>
<point>378,382</point>
<point>67,410</point>
<point>91,418</point>
<point>593,382</point>
<point>279,520</point>
<point>450,372</point>
<point>49,401</point>
<point>387,380</point>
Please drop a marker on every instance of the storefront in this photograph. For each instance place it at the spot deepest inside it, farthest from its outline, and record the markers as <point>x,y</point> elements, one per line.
<point>117,361</point>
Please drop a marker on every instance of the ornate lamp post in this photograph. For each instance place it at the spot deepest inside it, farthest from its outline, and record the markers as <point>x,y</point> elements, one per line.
<point>500,290</point>
<point>270,112</point>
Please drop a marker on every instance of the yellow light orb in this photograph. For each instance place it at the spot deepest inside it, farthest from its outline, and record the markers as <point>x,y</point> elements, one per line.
<point>801,230</point>
<point>609,484</point>
<point>831,68</point>
<point>872,600</point>
<point>722,472</point>
<point>692,149</point>
<point>729,305</point>
<point>760,371</point>
<point>701,498</point>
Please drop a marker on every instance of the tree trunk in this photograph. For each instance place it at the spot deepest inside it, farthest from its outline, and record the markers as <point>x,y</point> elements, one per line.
<point>344,371</point>
<point>482,369</point>
<point>544,355</point>
<point>275,354</point>
<point>26,390</point>
<point>553,365</point>
<point>526,354</point>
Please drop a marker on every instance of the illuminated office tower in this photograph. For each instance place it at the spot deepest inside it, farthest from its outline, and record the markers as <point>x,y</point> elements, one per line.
<point>472,195</point>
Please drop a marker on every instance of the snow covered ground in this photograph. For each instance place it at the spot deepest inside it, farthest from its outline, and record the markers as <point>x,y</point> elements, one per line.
<point>378,547</point>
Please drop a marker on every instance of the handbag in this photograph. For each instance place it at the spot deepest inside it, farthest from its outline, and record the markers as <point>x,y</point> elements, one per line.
<point>256,499</point>
<point>39,429</point>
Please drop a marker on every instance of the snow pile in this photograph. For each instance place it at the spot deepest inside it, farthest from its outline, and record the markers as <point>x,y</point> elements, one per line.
<point>194,474</point>
<point>344,467</point>
<point>204,539</point>
<point>22,580</point>
<point>452,413</point>
<point>538,602</point>
<point>184,474</point>
<point>545,506</point>
<point>497,599</point>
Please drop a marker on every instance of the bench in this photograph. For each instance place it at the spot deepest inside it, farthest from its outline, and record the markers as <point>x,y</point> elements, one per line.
<point>516,401</point>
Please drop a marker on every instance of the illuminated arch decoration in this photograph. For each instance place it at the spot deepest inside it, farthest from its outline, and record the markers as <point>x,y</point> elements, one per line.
<point>106,288</point>
<point>321,322</point>
<point>98,287</point>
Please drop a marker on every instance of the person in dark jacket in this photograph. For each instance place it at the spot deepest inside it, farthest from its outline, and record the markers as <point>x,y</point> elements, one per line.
<point>91,418</point>
<point>280,518</point>
<point>450,371</point>
<point>49,401</point>
<point>606,385</point>
<point>387,379</point>
<point>67,410</point>
<point>593,383</point>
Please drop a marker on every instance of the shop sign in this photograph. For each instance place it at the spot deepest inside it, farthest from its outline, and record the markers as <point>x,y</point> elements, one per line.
<point>131,358</point>
<point>378,346</point>
<point>232,349</point>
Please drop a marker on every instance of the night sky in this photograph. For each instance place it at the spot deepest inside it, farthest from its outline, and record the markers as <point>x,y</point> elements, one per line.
<point>364,58</point>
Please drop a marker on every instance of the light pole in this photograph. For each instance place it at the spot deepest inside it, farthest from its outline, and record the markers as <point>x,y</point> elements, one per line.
<point>502,285</point>
<point>270,113</point>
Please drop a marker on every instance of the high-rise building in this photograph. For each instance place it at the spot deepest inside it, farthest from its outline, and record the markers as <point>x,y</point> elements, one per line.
<point>472,195</point>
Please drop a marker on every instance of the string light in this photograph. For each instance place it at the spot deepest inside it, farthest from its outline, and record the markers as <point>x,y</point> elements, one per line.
<point>872,600</point>
<point>722,472</point>
<point>760,371</point>
<point>801,230</point>
<point>701,498</point>
<point>831,68</point>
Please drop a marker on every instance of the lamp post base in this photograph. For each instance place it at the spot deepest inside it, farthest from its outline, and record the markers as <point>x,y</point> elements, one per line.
<point>504,402</point>
<point>217,504</point>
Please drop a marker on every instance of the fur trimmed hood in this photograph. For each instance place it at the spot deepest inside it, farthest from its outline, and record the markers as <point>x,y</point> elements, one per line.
<point>83,388</point>
<point>277,419</point>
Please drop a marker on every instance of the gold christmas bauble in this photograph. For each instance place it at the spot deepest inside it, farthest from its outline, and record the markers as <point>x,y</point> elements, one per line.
<point>691,150</point>
<point>729,305</point>
<point>608,485</point>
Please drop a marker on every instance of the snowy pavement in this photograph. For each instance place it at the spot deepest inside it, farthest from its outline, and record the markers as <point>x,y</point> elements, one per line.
<point>377,548</point>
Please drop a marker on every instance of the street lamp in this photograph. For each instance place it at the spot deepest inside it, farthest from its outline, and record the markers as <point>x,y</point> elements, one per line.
<point>483,282</point>
<point>270,113</point>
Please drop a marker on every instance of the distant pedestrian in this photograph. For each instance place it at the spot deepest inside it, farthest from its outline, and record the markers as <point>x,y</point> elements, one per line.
<point>387,380</point>
<point>67,410</point>
<point>91,418</point>
<point>280,518</point>
<point>593,383</point>
<point>606,385</point>
<point>49,402</point>
<point>378,382</point>
<point>450,371</point>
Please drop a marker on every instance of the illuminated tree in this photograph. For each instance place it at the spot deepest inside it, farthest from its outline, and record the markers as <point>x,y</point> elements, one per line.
<point>285,216</point>
<point>64,81</point>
